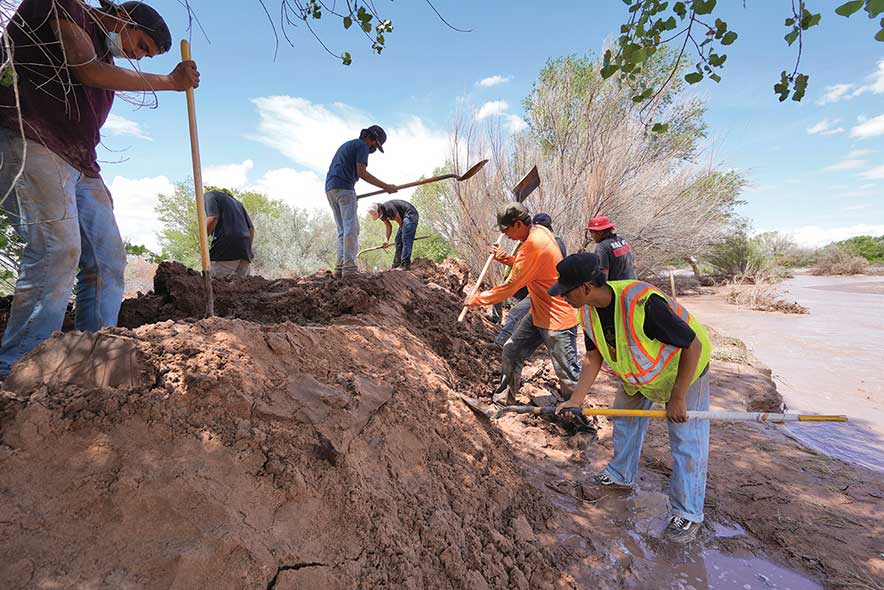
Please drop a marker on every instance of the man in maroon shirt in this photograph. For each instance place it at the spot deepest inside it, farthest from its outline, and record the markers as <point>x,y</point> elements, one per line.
<point>50,184</point>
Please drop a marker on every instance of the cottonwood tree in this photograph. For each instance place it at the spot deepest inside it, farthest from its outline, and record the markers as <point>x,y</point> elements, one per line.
<point>293,242</point>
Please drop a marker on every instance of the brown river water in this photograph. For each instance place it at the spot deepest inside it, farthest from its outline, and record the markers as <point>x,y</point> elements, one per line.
<point>827,362</point>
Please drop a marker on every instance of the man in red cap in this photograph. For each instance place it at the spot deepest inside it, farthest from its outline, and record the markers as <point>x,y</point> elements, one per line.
<point>615,253</point>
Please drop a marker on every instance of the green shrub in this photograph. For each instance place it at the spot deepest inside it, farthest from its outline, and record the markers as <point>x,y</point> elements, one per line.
<point>869,247</point>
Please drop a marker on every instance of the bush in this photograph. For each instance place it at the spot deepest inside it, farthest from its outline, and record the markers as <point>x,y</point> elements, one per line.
<point>737,256</point>
<point>832,260</point>
<point>869,247</point>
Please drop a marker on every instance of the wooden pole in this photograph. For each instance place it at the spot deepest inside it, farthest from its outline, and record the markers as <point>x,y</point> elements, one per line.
<point>198,189</point>
<point>692,414</point>
<point>463,312</point>
<point>672,282</point>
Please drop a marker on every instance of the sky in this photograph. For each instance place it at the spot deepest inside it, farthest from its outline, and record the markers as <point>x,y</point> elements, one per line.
<point>270,118</point>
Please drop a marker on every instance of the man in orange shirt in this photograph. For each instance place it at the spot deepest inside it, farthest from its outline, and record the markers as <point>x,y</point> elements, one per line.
<point>551,321</point>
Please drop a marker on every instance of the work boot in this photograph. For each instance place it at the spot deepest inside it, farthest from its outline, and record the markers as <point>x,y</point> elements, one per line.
<point>681,530</point>
<point>604,480</point>
<point>406,265</point>
<point>337,272</point>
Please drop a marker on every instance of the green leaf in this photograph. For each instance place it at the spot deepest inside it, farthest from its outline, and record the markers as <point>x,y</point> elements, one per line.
<point>346,58</point>
<point>347,22</point>
<point>366,26</point>
<point>875,7</point>
<point>791,36</point>
<point>800,87</point>
<point>849,8</point>
<point>660,127</point>
<point>608,71</point>
<point>704,6</point>
<point>680,9</point>
<point>669,24</point>
<point>715,77</point>
<point>693,77</point>
<point>814,20</point>
<point>782,88</point>
<point>729,38</point>
<point>790,22</point>
<point>880,35</point>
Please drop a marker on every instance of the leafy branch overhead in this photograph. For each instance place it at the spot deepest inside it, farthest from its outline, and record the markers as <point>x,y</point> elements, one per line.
<point>701,37</point>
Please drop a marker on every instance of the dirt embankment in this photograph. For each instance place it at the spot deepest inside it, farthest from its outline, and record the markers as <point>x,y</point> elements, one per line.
<point>314,437</point>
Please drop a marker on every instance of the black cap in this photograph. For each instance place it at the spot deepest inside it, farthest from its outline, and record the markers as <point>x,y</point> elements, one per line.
<point>510,213</point>
<point>574,271</point>
<point>147,19</point>
<point>543,219</point>
<point>379,134</point>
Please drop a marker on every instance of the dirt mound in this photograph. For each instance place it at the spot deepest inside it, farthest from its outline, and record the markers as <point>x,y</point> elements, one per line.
<point>225,453</point>
<point>425,301</point>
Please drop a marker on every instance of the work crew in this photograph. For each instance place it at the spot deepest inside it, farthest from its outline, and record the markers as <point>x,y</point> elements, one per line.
<point>661,354</point>
<point>349,165</point>
<point>50,180</point>
<point>406,216</point>
<point>551,320</point>
<point>616,257</point>
<point>518,311</point>
<point>232,233</point>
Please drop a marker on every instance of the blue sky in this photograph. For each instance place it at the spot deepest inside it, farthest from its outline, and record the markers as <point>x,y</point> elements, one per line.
<point>817,167</point>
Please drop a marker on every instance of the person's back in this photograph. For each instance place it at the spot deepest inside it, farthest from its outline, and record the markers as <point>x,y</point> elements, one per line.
<point>231,234</point>
<point>616,258</point>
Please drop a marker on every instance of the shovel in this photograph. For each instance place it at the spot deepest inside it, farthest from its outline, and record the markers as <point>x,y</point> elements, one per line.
<point>361,252</point>
<point>692,414</point>
<point>468,174</point>
<point>521,191</point>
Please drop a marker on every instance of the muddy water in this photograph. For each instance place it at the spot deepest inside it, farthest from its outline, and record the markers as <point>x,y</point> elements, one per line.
<point>827,362</point>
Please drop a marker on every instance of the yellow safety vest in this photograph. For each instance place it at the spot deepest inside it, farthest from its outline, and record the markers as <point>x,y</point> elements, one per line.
<point>642,363</point>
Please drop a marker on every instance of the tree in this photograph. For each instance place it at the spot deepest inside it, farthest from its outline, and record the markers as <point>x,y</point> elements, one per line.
<point>653,24</point>
<point>293,242</point>
<point>869,247</point>
<point>10,254</point>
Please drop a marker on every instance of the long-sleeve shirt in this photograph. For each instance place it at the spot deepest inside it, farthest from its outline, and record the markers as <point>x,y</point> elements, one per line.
<point>534,266</point>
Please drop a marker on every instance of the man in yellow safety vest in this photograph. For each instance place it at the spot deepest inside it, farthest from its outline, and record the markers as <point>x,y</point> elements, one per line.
<point>661,354</point>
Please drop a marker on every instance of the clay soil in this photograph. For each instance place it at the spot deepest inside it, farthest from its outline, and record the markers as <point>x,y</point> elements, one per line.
<point>313,436</point>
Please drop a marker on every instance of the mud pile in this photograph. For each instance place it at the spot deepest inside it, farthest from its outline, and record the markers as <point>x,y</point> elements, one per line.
<point>311,438</point>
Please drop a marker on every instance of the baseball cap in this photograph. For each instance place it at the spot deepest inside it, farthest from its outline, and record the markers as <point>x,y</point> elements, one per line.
<point>147,19</point>
<point>543,219</point>
<point>574,271</point>
<point>510,213</point>
<point>379,134</point>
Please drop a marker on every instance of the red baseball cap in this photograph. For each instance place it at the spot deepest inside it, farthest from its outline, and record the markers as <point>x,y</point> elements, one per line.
<point>599,224</point>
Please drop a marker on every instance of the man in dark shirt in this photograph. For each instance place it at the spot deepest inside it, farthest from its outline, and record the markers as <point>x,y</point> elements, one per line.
<point>349,165</point>
<point>50,124</point>
<point>615,254</point>
<point>405,214</point>
<point>661,354</point>
<point>232,234</point>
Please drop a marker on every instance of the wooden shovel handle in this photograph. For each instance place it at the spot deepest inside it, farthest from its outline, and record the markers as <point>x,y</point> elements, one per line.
<point>463,312</point>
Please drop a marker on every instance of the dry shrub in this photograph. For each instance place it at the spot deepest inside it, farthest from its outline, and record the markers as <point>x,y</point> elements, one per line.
<point>762,296</point>
<point>835,261</point>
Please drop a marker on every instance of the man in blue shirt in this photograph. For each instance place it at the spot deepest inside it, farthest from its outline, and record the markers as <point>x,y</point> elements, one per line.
<point>348,166</point>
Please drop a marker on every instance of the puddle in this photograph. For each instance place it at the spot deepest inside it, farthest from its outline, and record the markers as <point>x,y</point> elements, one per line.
<point>726,531</point>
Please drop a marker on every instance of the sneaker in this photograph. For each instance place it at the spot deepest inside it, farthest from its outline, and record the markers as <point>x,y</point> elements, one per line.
<point>604,480</point>
<point>681,530</point>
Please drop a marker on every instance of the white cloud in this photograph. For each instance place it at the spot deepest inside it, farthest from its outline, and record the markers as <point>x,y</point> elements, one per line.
<point>134,203</point>
<point>876,82</point>
<point>309,134</point>
<point>493,81</point>
<point>117,125</point>
<point>301,189</point>
<point>812,235</point>
<point>233,176</point>
<point>491,108</point>
<point>835,93</point>
<point>860,153</point>
<point>845,165</point>
<point>869,128</point>
<point>875,173</point>
<point>515,123</point>
<point>825,127</point>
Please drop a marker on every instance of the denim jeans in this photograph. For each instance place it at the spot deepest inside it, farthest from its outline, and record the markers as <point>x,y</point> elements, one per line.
<point>66,220</point>
<point>343,204</point>
<point>405,241</point>
<point>513,317</point>
<point>562,347</point>
<point>688,443</point>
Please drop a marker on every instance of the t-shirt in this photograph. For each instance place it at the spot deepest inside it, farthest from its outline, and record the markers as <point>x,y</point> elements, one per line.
<point>616,256</point>
<point>342,172</point>
<point>390,209</point>
<point>523,292</point>
<point>230,240</point>
<point>534,266</point>
<point>56,110</point>
<point>661,323</point>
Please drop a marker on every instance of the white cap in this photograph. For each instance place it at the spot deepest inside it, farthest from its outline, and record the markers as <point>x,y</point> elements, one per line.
<point>374,208</point>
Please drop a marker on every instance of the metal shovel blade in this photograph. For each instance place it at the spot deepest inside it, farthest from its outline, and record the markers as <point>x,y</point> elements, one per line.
<point>527,185</point>
<point>472,171</point>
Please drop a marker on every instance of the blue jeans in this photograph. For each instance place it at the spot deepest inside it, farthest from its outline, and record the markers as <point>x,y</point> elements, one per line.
<point>405,241</point>
<point>66,220</point>
<point>688,443</point>
<point>562,347</point>
<point>513,317</point>
<point>343,204</point>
